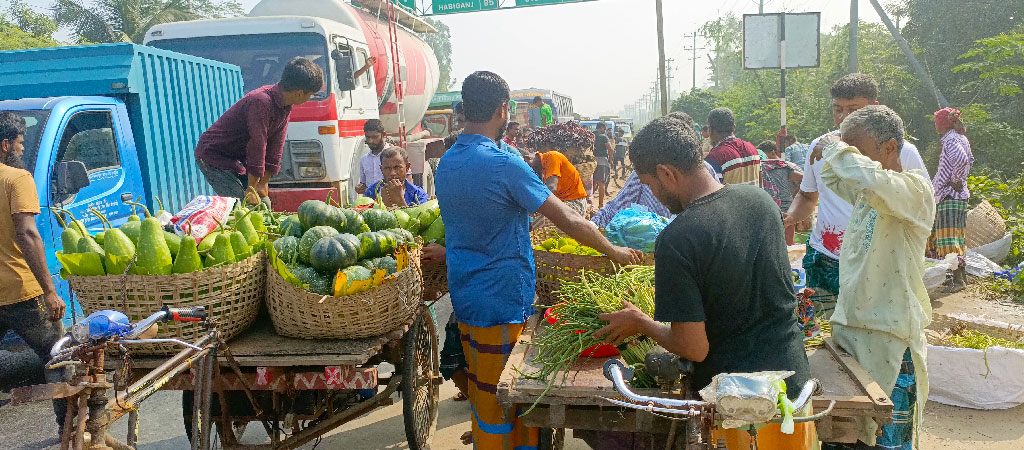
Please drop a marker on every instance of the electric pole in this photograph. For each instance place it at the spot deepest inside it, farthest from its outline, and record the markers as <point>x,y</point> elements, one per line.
<point>760,7</point>
<point>854,23</point>
<point>693,48</point>
<point>902,43</point>
<point>668,64</point>
<point>662,78</point>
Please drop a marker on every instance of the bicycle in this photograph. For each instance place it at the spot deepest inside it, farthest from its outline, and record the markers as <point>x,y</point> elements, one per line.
<point>701,415</point>
<point>91,411</point>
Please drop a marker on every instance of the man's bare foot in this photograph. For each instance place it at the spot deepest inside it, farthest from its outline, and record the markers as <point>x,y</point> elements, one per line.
<point>460,397</point>
<point>467,438</point>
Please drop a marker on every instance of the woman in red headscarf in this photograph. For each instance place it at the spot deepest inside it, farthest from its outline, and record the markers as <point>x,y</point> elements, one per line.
<point>951,194</point>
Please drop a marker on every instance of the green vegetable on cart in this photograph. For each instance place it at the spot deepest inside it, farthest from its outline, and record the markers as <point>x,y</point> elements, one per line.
<point>118,247</point>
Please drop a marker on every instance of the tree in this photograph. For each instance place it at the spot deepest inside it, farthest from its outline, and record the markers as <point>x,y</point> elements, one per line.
<point>999,62</point>
<point>129,20</point>
<point>441,44</point>
<point>26,29</point>
<point>697,103</point>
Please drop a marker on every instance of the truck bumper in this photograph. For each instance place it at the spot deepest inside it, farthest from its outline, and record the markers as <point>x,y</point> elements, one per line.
<point>289,199</point>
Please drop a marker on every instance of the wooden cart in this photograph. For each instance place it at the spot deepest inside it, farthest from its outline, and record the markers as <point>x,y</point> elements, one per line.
<point>299,390</point>
<point>578,405</point>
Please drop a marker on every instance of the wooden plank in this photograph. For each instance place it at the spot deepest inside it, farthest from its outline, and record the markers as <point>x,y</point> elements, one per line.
<point>879,397</point>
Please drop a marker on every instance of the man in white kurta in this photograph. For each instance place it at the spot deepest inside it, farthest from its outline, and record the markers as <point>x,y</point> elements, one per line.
<point>883,307</point>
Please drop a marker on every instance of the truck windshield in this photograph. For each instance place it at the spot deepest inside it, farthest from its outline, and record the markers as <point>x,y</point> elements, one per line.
<point>262,57</point>
<point>35,121</point>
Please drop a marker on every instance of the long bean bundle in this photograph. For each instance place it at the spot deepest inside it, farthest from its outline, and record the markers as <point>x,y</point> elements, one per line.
<point>577,319</point>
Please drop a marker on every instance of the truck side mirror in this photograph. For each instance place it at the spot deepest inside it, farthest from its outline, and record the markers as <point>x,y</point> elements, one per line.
<point>70,177</point>
<point>343,66</point>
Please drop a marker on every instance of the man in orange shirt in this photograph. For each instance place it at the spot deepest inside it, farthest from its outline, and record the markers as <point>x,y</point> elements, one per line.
<point>29,303</point>
<point>555,170</point>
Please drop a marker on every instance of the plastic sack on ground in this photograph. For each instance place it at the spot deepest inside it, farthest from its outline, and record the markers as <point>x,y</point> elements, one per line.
<point>979,379</point>
<point>635,227</point>
<point>935,271</point>
<point>202,213</point>
<point>745,398</point>
<point>996,251</point>
<point>980,266</point>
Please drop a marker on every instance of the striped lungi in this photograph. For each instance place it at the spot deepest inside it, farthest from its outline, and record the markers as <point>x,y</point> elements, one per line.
<point>823,278</point>
<point>487,350</point>
<point>900,434</point>
<point>948,234</point>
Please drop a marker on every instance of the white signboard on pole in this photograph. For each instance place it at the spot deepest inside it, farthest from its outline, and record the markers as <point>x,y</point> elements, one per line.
<point>763,34</point>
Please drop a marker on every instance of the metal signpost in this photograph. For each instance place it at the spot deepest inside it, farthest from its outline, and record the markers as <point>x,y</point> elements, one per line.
<point>782,41</point>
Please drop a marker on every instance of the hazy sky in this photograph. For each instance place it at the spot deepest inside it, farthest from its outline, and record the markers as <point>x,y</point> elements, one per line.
<point>603,53</point>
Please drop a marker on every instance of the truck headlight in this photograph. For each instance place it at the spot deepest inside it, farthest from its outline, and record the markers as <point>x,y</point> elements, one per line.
<point>316,172</point>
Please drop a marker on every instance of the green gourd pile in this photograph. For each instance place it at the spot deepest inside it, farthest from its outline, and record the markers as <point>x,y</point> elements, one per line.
<point>330,250</point>
<point>156,251</point>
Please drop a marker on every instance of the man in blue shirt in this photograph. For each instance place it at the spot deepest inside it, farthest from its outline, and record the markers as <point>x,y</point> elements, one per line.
<point>486,195</point>
<point>395,189</point>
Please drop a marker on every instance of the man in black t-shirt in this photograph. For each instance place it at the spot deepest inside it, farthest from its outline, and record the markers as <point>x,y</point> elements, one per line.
<point>722,274</point>
<point>619,160</point>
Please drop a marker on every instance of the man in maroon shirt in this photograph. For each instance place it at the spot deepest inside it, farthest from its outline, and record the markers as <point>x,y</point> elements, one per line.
<point>243,148</point>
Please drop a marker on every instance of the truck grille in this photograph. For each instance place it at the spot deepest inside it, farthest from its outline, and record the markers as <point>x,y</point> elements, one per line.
<point>302,161</point>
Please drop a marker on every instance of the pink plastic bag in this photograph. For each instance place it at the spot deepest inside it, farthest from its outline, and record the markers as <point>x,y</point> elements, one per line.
<point>202,213</point>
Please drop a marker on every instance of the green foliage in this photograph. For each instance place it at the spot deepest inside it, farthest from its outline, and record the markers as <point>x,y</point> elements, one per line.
<point>129,20</point>
<point>697,103</point>
<point>21,28</point>
<point>441,43</point>
<point>1007,196</point>
<point>998,60</point>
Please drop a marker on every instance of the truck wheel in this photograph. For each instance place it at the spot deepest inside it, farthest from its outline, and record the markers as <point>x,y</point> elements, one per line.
<point>419,390</point>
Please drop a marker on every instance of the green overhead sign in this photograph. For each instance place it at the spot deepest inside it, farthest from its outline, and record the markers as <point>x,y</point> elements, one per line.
<point>438,7</point>
<point>461,6</point>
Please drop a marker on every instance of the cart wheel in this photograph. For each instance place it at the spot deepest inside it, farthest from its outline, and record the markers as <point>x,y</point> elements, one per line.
<point>419,392</point>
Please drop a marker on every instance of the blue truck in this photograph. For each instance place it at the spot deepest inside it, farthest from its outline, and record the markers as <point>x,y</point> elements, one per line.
<point>111,123</point>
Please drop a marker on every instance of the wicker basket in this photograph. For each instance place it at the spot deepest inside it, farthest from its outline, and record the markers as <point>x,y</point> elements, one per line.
<point>552,268</point>
<point>232,295</point>
<point>301,314</point>
<point>435,276</point>
<point>984,225</point>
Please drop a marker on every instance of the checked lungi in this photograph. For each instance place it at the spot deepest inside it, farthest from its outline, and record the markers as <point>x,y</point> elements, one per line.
<point>823,278</point>
<point>900,434</point>
<point>948,234</point>
<point>487,351</point>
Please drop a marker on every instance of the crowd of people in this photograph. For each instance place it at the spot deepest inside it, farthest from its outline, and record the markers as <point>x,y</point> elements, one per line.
<point>724,295</point>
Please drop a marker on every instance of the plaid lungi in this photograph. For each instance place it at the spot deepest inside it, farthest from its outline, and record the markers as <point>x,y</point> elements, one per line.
<point>578,205</point>
<point>900,434</point>
<point>948,234</point>
<point>822,277</point>
<point>487,350</point>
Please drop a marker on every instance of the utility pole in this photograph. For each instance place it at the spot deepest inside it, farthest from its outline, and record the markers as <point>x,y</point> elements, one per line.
<point>760,7</point>
<point>854,23</point>
<point>662,78</point>
<point>693,48</point>
<point>668,64</point>
<point>902,43</point>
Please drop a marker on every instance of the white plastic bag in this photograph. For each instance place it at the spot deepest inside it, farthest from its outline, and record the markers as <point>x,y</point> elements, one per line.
<point>996,251</point>
<point>935,275</point>
<point>745,398</point>
<point>980,266</point>
<point>981,379</point>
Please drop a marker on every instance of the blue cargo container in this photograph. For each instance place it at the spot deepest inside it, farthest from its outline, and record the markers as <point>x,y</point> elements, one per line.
<point>130,115</point>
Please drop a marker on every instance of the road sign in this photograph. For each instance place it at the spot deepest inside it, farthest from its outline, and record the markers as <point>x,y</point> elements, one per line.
<point>461,6</point>
<point>764,34</point>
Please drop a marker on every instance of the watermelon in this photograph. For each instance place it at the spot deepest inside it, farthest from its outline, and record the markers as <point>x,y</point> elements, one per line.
<point>291,226</point>
<point>364,201</point>
<point>310,238</point>
<point>314,213</point>
<point>287,248</point>
<point>379,219</point>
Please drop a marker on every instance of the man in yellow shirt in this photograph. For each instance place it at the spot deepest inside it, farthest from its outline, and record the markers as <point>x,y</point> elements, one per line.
<point>883,307</point>
<point>29,304</point>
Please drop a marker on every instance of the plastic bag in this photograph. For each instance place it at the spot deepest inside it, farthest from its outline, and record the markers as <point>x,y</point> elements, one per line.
<point>996,251</point>
<point>202,213</point>
<point>635,227</point>
<point>747,398</point>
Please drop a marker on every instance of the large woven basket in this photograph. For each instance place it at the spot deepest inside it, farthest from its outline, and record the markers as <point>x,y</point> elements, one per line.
<point>301,314</point>
<point>435,276</point>
<point>984,225</point>
<point>552,268</point>
<point>232,295</point>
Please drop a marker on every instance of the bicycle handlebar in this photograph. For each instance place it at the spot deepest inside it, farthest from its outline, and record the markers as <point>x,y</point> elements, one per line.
<point>617,372</point>
<point>192,314</point>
